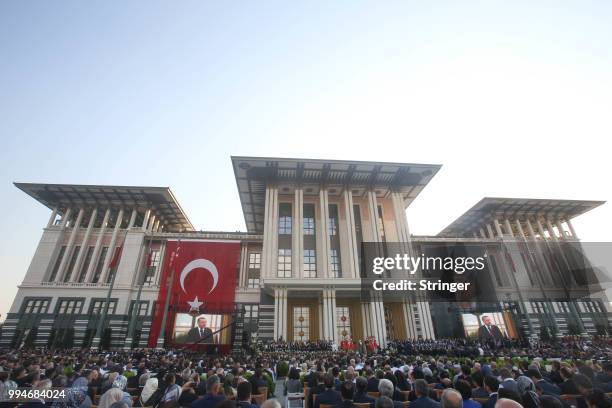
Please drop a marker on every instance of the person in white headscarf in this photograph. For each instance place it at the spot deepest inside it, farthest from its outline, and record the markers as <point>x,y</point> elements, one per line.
<point>110,397</point>
<point>147,392</point>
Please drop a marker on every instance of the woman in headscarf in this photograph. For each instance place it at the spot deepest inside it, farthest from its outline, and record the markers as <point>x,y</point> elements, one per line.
<point>110,397</point>
<point>76,396</point>
<point>527,390</point>
<point>149,390</point>
<point>120,383</point>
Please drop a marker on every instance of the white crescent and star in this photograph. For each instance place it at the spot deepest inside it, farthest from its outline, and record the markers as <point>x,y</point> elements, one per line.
<point>199,263</point>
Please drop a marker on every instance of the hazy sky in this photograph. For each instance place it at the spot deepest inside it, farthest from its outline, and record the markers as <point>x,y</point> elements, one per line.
<point>512,98</point>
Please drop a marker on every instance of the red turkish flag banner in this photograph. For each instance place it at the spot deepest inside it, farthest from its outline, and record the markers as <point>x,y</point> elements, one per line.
<point>201,271</point>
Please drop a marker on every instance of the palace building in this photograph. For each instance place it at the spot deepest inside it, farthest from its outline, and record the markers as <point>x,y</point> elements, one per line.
<point>115,264</point>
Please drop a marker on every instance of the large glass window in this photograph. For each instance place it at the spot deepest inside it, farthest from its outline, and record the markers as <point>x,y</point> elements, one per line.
<point>100,264</point>
<point>284,263</point>
<point>73,258</point>
<point>301,323</point>
<point>310,263</point>
<point>335,263</point>
<point>142,307</point>
<point>332,226</point>
<point>69,306</point>
<point>284,220</point>
<point>58,261</point>
<point>151,270</point>
<point>254,260</point>
<point>35,306</point>
<point>86,263</point>
<point>334,241</point>
<point>309,219</point>
<point>97,306</point>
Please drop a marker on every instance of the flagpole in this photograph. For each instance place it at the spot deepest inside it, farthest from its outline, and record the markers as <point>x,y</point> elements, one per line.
<point>136,310</point>
<point>169,286</point>
<point>98,335</point>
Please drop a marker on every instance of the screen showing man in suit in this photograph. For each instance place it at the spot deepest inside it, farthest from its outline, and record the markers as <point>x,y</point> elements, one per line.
<point>489,332</point>
<point>200,329</point>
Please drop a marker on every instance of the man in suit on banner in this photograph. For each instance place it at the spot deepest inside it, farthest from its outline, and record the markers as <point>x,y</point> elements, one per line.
<point>200,332</point>
<point>489,333</point>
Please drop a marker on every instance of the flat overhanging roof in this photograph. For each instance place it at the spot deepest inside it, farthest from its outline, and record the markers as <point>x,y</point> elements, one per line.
<point>253,173</point>
<point>62,196</point>
<point>516,208</point>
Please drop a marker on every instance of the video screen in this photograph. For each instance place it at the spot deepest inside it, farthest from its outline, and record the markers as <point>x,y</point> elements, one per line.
<point>474,324</point>
<point>201,329</point>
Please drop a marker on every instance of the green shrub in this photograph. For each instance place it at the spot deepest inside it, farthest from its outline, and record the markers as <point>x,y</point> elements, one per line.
<point>282,369</point>
<point>270,381</point>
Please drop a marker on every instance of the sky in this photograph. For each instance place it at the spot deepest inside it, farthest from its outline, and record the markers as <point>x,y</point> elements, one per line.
<point>514,99</point>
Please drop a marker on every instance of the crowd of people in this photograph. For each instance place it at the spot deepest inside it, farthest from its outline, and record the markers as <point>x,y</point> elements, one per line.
<point>420,374</point>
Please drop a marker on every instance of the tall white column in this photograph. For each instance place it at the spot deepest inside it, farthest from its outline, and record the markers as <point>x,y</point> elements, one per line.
<point>283,321</point>
<point>540,229</point>
<point>409,321</point>
<point>571,228</point>
<point>133,216</point>
<point>156,226</point>
<point>490,231</point>
<point>551,230</point>
<point>373,213</point>
<point>52,217</point>
<point>265,252</point>
<point>560,228</point>
<point>61,272</point>
<point>145,220</point>
<point>84,247</point>
<point>530,229</point>
<point>324,232</point>
<point>66,218</point>
<point>498,229</point>
<point>112,247</point>
<point>366,319</point>
<point>520,230</point>
<point>297,234</point>
<point>351,234</point>
<point>269,258</point>
<point>243,271</point>
<point>97,247</point>
<point>277,313</point>
<point>152,220</point>
<point>508,227</point>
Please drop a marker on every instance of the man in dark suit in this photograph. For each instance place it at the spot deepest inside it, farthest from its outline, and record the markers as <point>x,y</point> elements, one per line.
<point>329,396</point>
<point>200,332</point>
<point>567,385</point>
<point>423,400</point>
<point>257,381</point>
<point>372,381</point>
<point>491,386</point>
<point>546,387</point>
<point>479,391</point>
<point>212,396</point>
<point>347,390</point>
<point>361,393</point>
<point>243,395</point>
<point>489,333</point>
